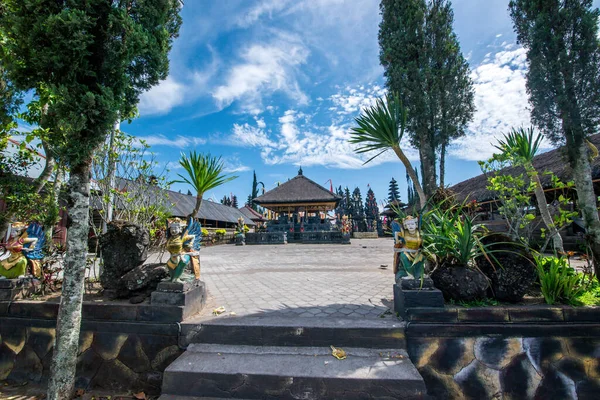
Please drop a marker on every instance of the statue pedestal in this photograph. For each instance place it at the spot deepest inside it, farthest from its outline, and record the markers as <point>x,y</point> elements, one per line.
<point>240,240</point>
<point>15,289</point>
<point>410,293</point>
<point>190,295</point>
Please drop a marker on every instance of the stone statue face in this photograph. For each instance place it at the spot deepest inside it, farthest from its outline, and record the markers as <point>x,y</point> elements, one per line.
<point>175,229</point>
<point>16,230</point>
<point>411,225</point>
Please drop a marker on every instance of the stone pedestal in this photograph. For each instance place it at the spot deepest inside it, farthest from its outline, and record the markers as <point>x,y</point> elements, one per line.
<point>15,289</point>
<point>409,293</point>
<point>240,240</point>
<point>190,295</point>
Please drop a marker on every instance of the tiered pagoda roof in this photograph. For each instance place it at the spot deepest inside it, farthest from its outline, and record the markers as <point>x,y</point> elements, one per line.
<point>299,191</point>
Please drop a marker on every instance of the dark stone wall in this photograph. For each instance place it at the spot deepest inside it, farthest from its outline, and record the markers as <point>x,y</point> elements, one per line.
<point>495,367</point>
<point>112,356</point>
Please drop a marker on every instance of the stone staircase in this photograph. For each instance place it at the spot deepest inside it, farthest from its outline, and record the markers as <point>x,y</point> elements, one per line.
<point>290,359</point>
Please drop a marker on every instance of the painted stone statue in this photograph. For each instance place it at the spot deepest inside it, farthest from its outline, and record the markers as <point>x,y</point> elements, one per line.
<point>183,243</point>
<point>408,257</point>
<point>22,250</point>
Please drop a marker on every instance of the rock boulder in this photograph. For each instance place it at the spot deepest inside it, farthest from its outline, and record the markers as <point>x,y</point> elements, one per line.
<point>513,273</point>
<point>460,283</point>
<point>124,247</point>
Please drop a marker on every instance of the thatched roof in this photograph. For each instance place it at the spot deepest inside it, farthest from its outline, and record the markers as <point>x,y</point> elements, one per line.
<point>183,205</point>
<point>300,190</point>
<point>250,214</point>
<point>554,161</point>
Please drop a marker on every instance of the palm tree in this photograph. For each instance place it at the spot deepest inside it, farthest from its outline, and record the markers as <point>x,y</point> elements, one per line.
<point>381,128</point>
<point>521,146</point>
<point>204,172</point>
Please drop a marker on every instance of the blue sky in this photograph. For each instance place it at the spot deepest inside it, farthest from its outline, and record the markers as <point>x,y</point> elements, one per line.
<point>274,84</point>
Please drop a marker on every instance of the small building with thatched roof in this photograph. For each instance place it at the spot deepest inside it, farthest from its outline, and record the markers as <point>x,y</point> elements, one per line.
<point>299,206</point>
<point>299,194</point>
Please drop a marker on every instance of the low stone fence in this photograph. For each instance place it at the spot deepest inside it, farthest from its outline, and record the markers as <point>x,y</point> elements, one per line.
<point>266,238</point>
<point>507,352</point>
<point>122,346</point>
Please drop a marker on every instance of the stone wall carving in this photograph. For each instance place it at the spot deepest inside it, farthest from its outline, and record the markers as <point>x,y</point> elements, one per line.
<point>508,368</point>
<point>114,360</point>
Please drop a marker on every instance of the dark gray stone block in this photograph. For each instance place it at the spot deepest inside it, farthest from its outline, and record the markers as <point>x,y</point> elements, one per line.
<point>179,287</point>
<point>284,331</point>
<point>405,299</point>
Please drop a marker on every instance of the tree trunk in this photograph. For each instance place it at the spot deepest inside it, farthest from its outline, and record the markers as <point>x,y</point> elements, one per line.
<point>413,176</point>
<point>112,166</point>
<point>194,213</point>
<point>587,202</point>
<point>428,170</point>
<point>442,164</point>
<point>62,370</point>
<point>48,168</point>
<point>546,217</point>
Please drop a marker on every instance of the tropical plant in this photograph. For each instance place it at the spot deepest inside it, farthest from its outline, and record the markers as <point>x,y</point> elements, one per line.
<point>451,237</point>
<point>563,83</point>
<point>129,185</point>
<point>381,128</point>
<point>204,172</point>
<point>521,146</point>
<point>558,281</point>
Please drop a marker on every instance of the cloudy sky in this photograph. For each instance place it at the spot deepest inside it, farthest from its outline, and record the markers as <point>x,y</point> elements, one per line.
<point>275,84</point>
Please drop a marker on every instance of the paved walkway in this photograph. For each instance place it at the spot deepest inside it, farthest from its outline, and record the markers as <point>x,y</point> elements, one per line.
<point>300,280</point>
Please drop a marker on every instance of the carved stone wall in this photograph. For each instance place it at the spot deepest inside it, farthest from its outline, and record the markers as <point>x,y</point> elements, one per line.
<point>508,368</point>
<point>113,356</point>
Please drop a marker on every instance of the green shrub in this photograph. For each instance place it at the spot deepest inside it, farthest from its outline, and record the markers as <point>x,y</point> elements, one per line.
<point>204,232</point>
<point>558,281</point>
<point>451,237</point>
<point>220,232</point>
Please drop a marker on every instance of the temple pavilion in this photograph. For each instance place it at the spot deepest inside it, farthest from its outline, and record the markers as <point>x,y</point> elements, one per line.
<point>299,206</point>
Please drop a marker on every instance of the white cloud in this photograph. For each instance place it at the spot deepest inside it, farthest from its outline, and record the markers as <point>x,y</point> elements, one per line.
<point>233,164</point>
<point>162,98</point>
<point>179,141</point>
<point>352,100</point>
<point>263,70</point>
<point>264,8</point>
<point>247,135</point>
<point>501,101</point>
<point>172,92</point>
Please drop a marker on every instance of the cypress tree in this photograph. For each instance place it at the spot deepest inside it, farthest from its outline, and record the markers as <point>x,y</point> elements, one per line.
<point>563,83</point>
<point>424,65</point>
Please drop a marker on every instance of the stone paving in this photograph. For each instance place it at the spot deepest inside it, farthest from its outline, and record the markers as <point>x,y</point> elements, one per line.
<point>299,280</point>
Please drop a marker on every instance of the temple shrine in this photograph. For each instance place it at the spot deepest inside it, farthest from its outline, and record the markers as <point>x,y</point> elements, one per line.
<point>299,209</point>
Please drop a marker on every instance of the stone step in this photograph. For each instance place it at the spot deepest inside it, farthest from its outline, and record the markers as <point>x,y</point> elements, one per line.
<point>285,331</point>
<point>291,373</point>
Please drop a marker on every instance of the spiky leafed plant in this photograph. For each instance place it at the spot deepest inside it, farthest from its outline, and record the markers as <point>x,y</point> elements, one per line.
<point>521,146</point>
<point>381,128</point>
<point>204,172</point>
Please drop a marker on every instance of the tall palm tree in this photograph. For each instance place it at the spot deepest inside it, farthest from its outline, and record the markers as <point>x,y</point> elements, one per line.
<point>204,173</point>
<point>381,128</point>
<point>521,146</point>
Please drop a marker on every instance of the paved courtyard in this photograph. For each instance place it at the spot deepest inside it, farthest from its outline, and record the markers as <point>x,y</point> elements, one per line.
<point>298,280</point>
